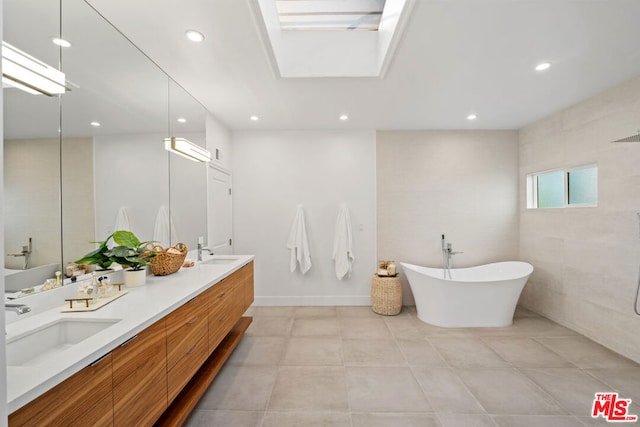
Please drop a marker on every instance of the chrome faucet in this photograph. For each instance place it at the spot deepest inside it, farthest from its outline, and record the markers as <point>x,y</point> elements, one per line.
<point>447,253</point>
<point>26,253</point>
<point>200,249</point>
<point>17,308</point>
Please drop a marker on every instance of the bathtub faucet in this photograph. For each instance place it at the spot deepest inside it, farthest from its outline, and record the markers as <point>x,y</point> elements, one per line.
<point>447,253</point>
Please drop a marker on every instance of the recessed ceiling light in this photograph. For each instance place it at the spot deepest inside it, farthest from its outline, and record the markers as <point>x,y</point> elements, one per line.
<point>194,36</point>
<point>472,117</point>
<point>344,117</point>
<point>61,42</point>
<point>543,66</point>
<point>95,124</point>
<point>254,118</point>
<point>182,120</point>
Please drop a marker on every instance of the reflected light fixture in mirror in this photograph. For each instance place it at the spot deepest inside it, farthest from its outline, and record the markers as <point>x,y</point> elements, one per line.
<point>25,72</point>
<point>60,42</point>
<point>188,149</point>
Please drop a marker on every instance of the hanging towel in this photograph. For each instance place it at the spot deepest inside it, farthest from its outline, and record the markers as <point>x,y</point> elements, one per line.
<point>343,244</point>
<point>298,245</point>
<point>164,231</point>
<point>122,220</point>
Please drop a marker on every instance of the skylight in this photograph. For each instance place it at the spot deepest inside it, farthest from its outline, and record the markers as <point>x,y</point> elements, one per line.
<point>363,15</point>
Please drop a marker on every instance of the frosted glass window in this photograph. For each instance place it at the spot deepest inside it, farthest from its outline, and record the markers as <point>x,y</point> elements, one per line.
<point>562,188</point>
<point>551,190</point>
<point>583,186</point>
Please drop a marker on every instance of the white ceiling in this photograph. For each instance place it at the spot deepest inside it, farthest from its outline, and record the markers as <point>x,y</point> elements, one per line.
<point>455,57</point>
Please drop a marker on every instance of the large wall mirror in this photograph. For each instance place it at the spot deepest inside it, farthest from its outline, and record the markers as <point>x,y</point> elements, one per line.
<point>81,165</point>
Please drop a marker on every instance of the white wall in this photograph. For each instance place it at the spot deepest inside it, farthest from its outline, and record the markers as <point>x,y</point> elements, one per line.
<point>130,171</point>
<point>218,137</point>
<point>189,196</point>
<point>273,172</point>
<point>32,200</point>
<point>463,184</point>
<point>586,259</point>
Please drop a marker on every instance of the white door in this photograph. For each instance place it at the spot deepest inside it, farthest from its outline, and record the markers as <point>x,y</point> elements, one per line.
<point>219,211</point>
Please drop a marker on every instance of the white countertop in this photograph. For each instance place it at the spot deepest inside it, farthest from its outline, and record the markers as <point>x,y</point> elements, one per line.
<point>138,309</point>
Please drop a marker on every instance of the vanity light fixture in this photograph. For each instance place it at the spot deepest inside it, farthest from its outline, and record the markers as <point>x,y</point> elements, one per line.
<point>188,149</point>
<point>25,72</point>
<point>95,124</point>
<point>254,118</point>
<point>61,42</point>
<point>194,36</point>
<point>344,117</point>
<point>472,117</point>
<point>182,120</point>
<point>543,66</point>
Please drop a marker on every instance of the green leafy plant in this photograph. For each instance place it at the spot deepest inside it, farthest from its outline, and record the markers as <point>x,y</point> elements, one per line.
<point>129,252</point>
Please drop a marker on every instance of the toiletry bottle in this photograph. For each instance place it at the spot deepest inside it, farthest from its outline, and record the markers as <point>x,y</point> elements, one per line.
<point>58,279</point>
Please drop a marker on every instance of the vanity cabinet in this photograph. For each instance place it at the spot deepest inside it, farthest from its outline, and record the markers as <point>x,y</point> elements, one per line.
<point>228,300</point>
<point>187,346</point>
<point>85,399</point>
<point>158,376</point>
<point>140,377</point>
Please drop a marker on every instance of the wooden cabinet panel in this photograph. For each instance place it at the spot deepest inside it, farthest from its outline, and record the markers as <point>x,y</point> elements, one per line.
<point>192,354</point>
<point>222,317</point>
<point>247,285</point>
<point>187,346</point>
<point>140,377</point>
<point>85,399</point>
<point>183,329</point>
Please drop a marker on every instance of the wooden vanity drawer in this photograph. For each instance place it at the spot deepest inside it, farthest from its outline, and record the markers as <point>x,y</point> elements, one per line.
<point>140,377</point>
<point>220,294</point>
<point>184,328</point>
<point>222,317</point>
<point>188,357</point>
<point>84,399</point>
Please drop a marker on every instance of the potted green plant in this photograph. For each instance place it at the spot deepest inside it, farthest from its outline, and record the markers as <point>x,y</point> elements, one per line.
<point>129,252</point>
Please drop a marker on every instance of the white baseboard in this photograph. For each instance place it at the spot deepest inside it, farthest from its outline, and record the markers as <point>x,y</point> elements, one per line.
<point>311,300</point>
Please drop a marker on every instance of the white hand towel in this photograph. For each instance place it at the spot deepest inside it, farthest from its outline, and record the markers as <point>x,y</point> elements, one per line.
<point>122,220</point>
<point>343,244</point>
<point>164,230</point>
<point>298,244</point>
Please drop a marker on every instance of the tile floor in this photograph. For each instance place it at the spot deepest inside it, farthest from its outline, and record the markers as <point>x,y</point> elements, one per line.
<point>347,366</point>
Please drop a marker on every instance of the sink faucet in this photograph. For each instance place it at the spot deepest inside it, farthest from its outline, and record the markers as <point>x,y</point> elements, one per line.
<point>200,249</point>
<point>26,253</point>
<point>18,308</point>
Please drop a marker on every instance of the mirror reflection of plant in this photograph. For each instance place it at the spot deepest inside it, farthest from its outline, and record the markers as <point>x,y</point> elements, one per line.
<point>130,252</point>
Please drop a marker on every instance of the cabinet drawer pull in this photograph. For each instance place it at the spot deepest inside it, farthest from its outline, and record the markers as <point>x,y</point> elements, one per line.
<point>222,295</point>
<point>96,362</point>
<point>128,341</point>
<point>192,349</point>
<point>223,318</point>
<point>193,320</point>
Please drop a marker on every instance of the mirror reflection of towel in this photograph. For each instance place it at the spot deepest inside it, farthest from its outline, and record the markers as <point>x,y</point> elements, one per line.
<point>164,231</point>
<point>122,220</point>
<point>298,244</point>
<point>343,244</point>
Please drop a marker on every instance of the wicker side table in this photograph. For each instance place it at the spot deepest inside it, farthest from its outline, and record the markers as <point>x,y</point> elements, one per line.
<point>386,295</point>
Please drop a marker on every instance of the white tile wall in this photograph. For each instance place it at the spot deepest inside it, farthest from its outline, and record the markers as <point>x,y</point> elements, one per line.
<point>459,183</point>
<point>586,259</point>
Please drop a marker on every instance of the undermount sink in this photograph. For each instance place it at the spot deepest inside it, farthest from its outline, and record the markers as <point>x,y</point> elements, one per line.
<point>36,346</point>
<point>221,260</point>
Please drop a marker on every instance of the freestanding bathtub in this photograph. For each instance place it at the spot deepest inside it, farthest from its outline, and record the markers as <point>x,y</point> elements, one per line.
<point>480,296</point>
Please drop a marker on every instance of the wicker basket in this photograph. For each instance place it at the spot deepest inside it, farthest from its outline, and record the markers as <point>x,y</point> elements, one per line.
<point>386,295</point>
<point>164,263</point>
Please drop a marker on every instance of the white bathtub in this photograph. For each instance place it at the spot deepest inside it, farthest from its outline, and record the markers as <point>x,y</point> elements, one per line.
<point>480,296</point>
